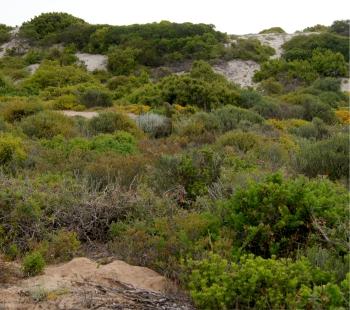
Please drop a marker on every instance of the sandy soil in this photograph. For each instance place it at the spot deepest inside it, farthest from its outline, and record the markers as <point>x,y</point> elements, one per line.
<point>87,115</point>
<point>238,71</point>
<point>84,284</point>
<point>32,68</point>
<point>93,61</point>
<point>345,84</point>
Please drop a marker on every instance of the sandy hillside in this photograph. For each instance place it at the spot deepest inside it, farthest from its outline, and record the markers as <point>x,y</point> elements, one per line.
<point>241,72</point>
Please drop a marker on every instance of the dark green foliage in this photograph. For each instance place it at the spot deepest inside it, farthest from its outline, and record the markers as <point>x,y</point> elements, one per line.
<point>4,33</point>
<point>302,47</point>
<point>47,26</point>
<point>231,117</point>
<point>341,27</point>
<point>328,157</point>
<point>122,61</point>
<point>95,98</point>
<point>327,84</point>
<point>312,107</point>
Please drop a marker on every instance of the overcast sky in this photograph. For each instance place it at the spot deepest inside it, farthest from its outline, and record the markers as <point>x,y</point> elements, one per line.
<point>232,16</point>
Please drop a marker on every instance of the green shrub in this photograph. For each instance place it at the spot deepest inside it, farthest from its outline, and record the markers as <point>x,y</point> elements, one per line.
<point>280,216</point>
<point>302,47</point>
<point>317,130</point>
<point>249,98</point>
<point>50,74</point>
<point>271,87</point>
<point>291,74</point>
<point>109,122</point>
<point>250,49</point>
<point>272,30</point>
<point>16,109</point>
<point>122,61</point>
<point>327,84</point>
<point>11,149</point>
<point>33,56</point>
<point>328,63</point>
<point>312,107</point>
<point>341,27</point>
<point>230,117</point>
<point>328,157</point>
<point>194,172</point>
<point>67,102</point>
<point>95,98</point>
<point>47,124</point>
<point>257,283</point>
<point>48,25</point>
<point>62,246</point>
<point>4,33</point>
<point>185,90</point>
<point>240,141</point>
<point>33,264</point>
<point>120,142</point>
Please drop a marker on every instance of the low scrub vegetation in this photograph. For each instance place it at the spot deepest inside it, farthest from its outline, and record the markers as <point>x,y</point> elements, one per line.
<point>238,195</point>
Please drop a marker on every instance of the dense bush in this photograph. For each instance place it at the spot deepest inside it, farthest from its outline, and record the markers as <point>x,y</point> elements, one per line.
<point>328,63</point>
<point>47,124</point>
<point>33,264</point>
<point>257,283</point>
<point>62,246</point>
<point>16,109</point>
<point>51,74</point>
<point>250,49</point>
<point>95,98</point>
<point>47,25</point>
<point>11,149</point>
<point>328,157</point>
<point>302,47</point>
<point>122,61</point>
<point>109,122</point>
<point>120,142</point>
<point>4,33</point>
<point>278,216</point>
<point>341,27</point>
<point>291,74</point>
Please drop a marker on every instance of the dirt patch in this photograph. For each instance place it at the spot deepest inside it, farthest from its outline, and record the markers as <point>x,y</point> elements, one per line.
<point>87,115</point>
<point>345,85</point>
<point>238,71</point>
<point>84,284</point>
<point>93,61</point>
